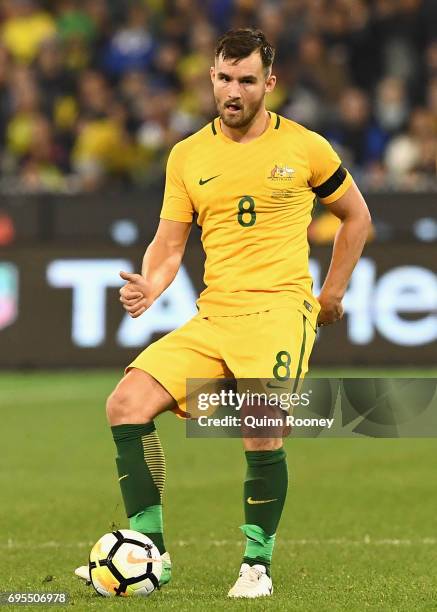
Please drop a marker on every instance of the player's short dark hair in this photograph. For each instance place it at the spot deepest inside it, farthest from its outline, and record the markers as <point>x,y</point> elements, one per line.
<point>238,44</point>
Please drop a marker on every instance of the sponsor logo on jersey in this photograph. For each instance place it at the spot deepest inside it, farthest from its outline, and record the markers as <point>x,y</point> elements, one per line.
<point>204,181</point>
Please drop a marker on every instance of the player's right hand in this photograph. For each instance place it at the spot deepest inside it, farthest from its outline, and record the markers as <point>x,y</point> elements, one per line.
<point>135,295</point>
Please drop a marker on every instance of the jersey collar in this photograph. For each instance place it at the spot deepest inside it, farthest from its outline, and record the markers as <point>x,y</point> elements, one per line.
<point>273,125</point>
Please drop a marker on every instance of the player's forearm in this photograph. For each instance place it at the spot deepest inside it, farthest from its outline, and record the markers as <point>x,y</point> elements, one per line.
<point>348,246</point>
<point>160,266</point>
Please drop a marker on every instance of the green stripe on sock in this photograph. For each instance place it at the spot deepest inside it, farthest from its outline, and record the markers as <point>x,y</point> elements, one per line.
<point>147,521</point>
<point>259,545</point>
<point>154,457</point>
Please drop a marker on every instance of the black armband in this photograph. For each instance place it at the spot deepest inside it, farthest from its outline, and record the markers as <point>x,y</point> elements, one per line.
<point>332,184</point>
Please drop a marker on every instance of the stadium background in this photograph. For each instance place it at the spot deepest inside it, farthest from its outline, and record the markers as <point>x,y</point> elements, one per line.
<point>92,97</point>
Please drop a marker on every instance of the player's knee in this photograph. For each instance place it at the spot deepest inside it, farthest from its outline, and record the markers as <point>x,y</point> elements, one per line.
<point>120,408</point>
<point>262,444</point>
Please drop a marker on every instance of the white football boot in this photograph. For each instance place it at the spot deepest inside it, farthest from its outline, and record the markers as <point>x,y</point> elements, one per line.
<point>83,571</point>
<point>252,582</point>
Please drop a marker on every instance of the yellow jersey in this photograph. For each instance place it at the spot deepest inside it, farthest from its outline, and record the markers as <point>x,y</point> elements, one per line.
<point>253,202</point>
<point>22,36</point>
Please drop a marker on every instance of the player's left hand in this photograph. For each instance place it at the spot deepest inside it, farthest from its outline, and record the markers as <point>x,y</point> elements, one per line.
<point>331,309</point>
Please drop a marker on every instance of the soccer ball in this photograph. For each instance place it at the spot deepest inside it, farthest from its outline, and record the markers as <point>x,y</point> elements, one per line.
<point>125,563</point>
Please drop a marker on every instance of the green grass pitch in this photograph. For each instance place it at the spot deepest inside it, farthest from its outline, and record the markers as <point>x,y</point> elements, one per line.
<point>359,531</point>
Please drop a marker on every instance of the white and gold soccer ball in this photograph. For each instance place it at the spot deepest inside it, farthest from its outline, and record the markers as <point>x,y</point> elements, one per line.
<point>125,563</point>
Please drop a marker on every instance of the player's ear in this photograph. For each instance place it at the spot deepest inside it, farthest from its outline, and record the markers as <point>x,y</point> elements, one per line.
<point>270,83</point>
<point>212,73</point>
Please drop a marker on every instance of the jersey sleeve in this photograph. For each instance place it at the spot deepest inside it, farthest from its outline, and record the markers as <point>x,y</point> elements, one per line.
<point>328,178</point>
<point>177,205</point>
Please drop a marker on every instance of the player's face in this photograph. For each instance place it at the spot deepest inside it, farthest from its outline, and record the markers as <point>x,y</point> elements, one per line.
<point>240,88</point>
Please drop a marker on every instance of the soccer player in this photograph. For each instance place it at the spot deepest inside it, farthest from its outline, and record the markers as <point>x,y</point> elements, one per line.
<point>251,176</point>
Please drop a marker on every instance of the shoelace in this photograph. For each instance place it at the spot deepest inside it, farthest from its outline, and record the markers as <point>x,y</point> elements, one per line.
<point>250,576</point>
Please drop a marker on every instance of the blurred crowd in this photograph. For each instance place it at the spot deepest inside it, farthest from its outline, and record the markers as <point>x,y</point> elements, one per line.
<point>94,93</point>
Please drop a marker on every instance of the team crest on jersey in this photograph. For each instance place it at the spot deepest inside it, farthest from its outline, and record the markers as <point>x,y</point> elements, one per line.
<point>282,172</point>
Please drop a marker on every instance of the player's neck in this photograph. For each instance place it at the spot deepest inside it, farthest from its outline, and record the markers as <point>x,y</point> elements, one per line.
<point>249,132</point>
